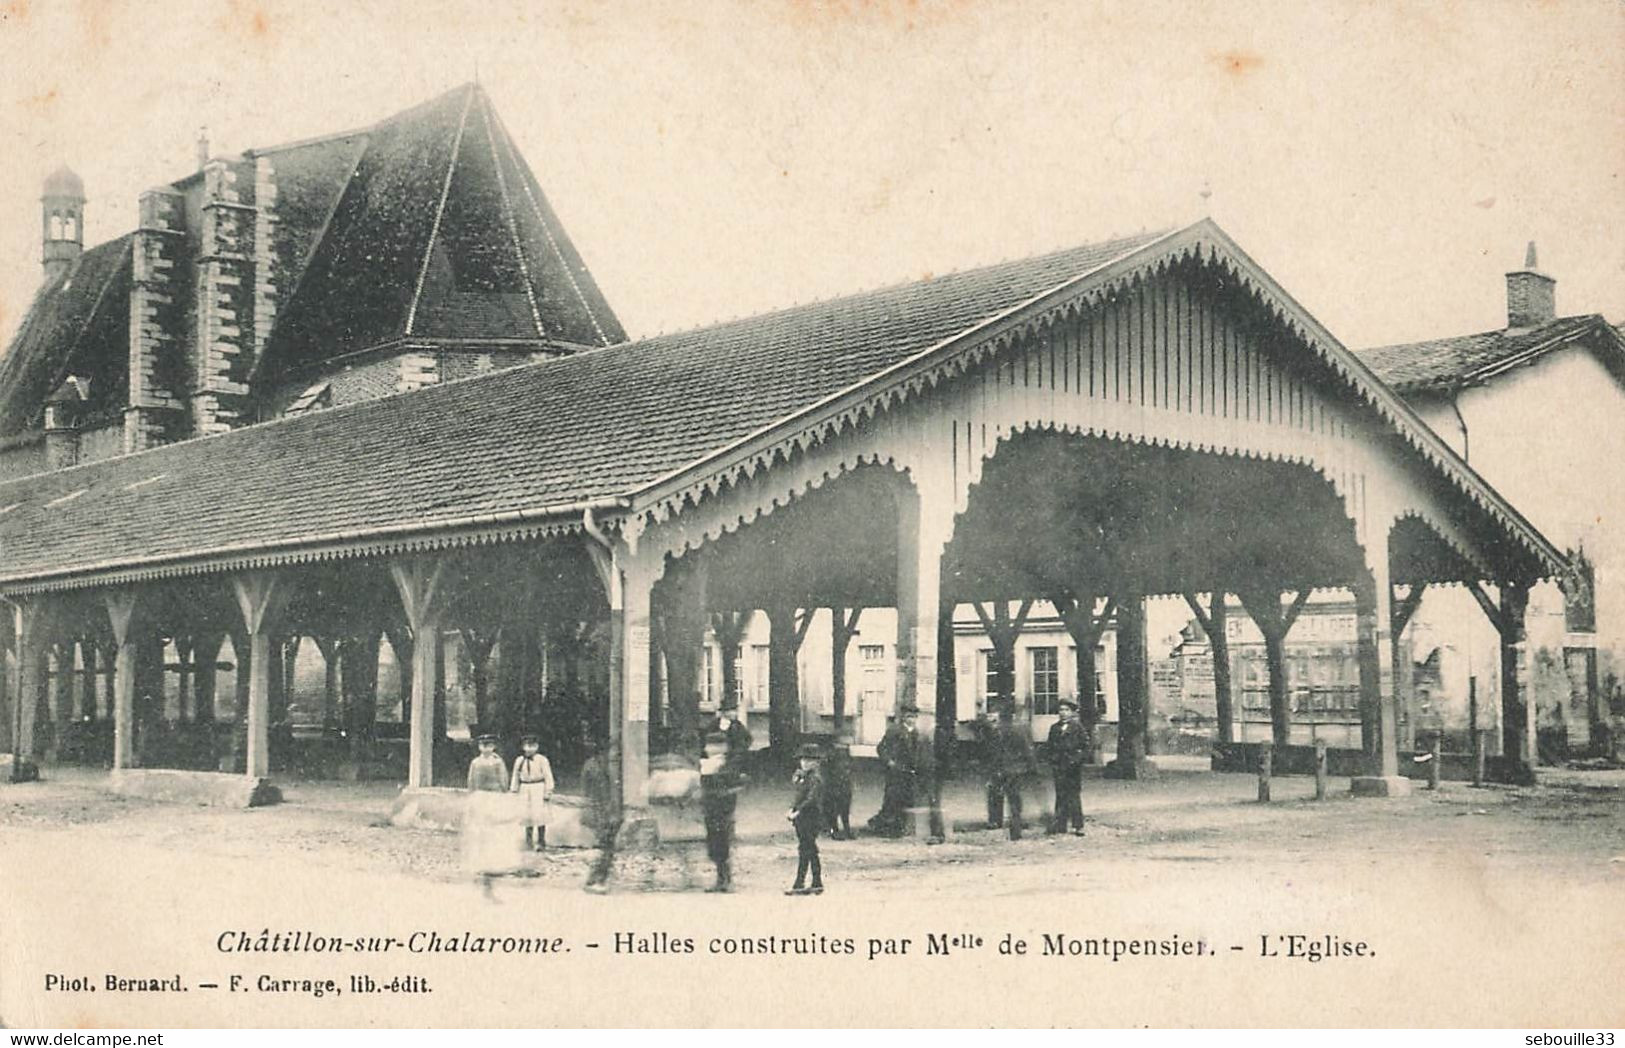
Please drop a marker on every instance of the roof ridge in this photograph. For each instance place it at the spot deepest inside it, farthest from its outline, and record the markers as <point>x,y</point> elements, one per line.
<point>1492,332</point>
<point>898,285</point>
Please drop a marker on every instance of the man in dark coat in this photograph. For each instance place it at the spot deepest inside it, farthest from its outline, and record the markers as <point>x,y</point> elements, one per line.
<point>1067,751</point>
<point>720,783</point>
<point>807,815</point>
<point>1010,763</point>
<point>908,757</point>
<point>837,771</point>
<point>603,811</point>
<point>732,728</point>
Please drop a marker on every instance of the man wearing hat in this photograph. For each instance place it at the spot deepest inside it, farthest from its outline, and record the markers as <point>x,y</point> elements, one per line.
<point>732,728</point>
<point>1010,763</point>
<point>720,783</point>
<point>807,815</point>
<point>1068,750</point>
<point>533,781</point>
<point>909,759</point>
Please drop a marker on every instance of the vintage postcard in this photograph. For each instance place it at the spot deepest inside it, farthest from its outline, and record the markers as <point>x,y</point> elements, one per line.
<point>860,513</point>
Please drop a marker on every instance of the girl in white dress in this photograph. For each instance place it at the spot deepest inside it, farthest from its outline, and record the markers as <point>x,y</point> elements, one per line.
<point>533,781</point>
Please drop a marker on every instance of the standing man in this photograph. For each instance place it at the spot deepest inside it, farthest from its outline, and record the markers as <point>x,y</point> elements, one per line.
<point>603,811</point>
<point>909,760</point>
<point>1011,764</point>
<point>720,783</point>
<point>1068,749</point>
<point>733,729</point>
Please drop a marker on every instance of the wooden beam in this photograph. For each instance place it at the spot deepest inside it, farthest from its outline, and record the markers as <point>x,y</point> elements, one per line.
<point>1404,608</point>
<point>1491,610</point>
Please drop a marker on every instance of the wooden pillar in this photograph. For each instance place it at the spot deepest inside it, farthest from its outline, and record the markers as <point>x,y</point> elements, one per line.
<point>122,609</point>
<point>843,624</point>
<point>787,630</point>
<point>1402,610</point>
<point>1275,621</point>
<point>1085,626</point>
<point>628,580</point>
<point>33,622</point>
<point>1517,709</point>
<point>729,629</point>
<point>8,689</point>
<point>1373,616</point>
<point>1003,630</point>
<point>681,601</point>
<point>924,516</point>
<point>478,643</point>
<point>418,580</point>
<point>1133,692</point>
<point>947,683</point>
<point>261,598</point>
<point>206,652</point>
<point>1215,622</point>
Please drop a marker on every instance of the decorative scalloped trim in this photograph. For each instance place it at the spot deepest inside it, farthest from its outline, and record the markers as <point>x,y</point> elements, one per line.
<point>327,552</point>
<point>1200,251</point>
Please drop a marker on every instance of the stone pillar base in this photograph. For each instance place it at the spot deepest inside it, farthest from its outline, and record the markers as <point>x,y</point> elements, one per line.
<point>194,787</point>
<point>1380,786</point>
<point>1139,768</point>
<point>13,769</point>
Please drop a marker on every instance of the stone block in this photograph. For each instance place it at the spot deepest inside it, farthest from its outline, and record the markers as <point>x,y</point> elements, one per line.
<point>1141,768</point>
<point>441,808</point>
<point>212,788</point>
<point>1380,786</point>
<point>14,770</point>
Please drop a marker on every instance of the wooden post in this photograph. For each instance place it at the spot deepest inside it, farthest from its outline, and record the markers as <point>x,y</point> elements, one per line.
<point>1517,712</point>
<point>261,598</point>
<point>787,631</point>
<point>418,581</point>
<point>1373,623</point>
<point>843,627</point>
<point>121,613</point>
<point>1002,632</point>
<point>1266,768</point>
<point>1480,740</point>
<point>1275,621</point>
<point>32,624</point>
<point>1133,688</point>
<point>1435,759</point>
<point>1320,769</point>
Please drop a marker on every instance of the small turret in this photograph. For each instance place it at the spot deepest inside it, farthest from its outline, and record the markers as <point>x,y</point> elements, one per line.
<point>1531,294</point>
<point>62,221</point>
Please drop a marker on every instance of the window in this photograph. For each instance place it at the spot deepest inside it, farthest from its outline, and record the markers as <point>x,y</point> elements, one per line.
<point>56,227</point>
<point>875,691</point>
<point>709,676</point>
<point>987,671</point>
<point>1046,678</point>
<point>758,675</point>
<point>68,232</point>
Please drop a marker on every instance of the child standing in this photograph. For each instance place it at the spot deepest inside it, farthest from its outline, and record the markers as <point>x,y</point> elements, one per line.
<point>533,781</point>
<point>490,846</point>
<point>807,815</point>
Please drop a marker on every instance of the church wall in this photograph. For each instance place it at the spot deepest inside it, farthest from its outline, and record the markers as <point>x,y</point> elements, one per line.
<point>22,460</point>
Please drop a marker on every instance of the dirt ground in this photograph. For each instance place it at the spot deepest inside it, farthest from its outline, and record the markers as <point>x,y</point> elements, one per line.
<point>1500,906</point>
<point>1573,822</point>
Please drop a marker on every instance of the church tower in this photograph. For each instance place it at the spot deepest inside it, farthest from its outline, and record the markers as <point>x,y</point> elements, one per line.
<point>62,221</point>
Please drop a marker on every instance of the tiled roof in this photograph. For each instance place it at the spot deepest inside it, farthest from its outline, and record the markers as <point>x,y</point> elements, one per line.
<point>80,320</point>
<point>1448,363</point>
<point>566,431</point>
<point>356,214</point>
<point>440,231</point>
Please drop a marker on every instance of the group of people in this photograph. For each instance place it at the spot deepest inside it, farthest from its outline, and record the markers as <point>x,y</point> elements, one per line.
<point>821,792</point>
<point>491,844</point>
<point>1011,763</point>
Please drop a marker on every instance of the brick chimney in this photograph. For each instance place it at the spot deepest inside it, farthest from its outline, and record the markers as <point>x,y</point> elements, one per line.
<point>62,410</point>
<point>1531,295</point>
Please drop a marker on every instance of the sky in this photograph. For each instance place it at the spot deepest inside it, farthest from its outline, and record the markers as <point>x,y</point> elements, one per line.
<point>1385,162</point>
